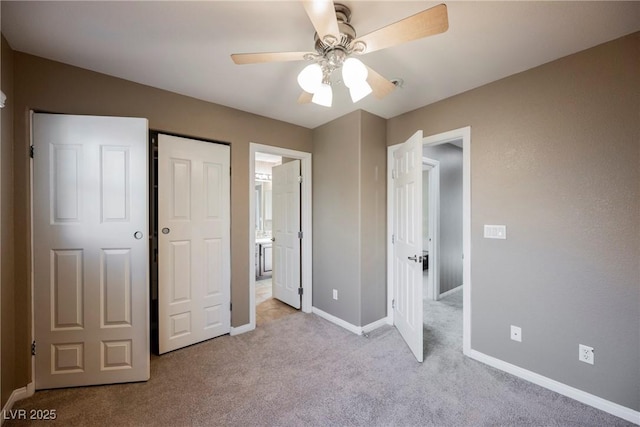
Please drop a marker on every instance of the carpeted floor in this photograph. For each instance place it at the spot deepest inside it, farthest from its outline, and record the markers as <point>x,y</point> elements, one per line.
<point>301,370</point>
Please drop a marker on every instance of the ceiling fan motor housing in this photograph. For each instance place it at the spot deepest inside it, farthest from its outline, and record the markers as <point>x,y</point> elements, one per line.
<point>335,50</point>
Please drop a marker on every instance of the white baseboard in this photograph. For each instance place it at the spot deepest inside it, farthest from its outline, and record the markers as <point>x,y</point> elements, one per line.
<point>358,330</point>
<point>241,329</point>
<point>450,291</point>
<point>333,319</point>
<point>18,394</point>
<point>564,389</point>
<point>374,325</point>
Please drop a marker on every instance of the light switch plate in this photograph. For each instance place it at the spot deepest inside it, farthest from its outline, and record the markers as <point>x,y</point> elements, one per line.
<point>495,231</point>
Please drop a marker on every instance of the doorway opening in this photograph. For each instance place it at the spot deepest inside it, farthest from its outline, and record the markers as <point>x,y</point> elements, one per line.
<point>279,233</point>
<point>442,237</point>
<point>430,228</point>
<point>439,258</point>
<point>267,306</point>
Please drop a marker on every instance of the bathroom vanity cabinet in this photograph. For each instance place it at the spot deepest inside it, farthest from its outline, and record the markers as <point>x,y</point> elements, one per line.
<point>264,259</point>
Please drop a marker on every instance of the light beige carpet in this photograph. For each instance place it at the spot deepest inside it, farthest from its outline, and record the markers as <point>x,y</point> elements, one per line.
<point>304,371</point>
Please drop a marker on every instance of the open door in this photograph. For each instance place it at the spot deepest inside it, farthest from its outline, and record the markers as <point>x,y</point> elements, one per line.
<point>286,229</point>
<point>193,241</point>
<point>91,250</point>
<point>407,242</point>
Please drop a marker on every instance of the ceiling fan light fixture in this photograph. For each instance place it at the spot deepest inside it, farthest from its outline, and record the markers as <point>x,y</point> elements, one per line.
<point>323,95</point>
<point>354,72</point>
<point>310,78</point>
<point>359,91</point>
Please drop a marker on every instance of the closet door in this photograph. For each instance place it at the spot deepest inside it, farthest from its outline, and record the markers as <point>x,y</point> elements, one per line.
<point>91,250</point>
<point>194,241</point>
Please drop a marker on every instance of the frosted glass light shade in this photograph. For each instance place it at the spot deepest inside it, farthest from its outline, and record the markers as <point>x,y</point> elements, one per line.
<point>354,72</point>
<point>310,78</point>
<point>323,95</point>
<point>359,91</point>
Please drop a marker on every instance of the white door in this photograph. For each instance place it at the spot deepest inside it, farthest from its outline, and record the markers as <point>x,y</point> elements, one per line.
<point>286,226</point>
<point>194,241</point>
<point>407,247</point>
<point>91,250</point>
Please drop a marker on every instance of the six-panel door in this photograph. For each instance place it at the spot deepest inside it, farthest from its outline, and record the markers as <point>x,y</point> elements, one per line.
<point>90,245</point>
<point>194,241</point>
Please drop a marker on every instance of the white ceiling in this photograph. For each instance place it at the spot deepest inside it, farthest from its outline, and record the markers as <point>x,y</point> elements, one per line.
<point>184,47</point>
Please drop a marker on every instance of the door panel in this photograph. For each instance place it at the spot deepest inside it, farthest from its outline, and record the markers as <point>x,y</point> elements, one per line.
<point>286,225</point>
<point>194,241</point>
<point>407,248</point>
<point>90,272</point>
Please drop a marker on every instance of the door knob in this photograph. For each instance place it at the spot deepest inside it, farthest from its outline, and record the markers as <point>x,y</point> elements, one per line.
<point>166,230</point>
<point>138,235</point>
<point>273,239</point>
<point>415,258</point>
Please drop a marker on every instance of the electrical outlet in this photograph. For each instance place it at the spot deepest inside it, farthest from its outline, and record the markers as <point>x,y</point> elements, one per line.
<point>516,333</point>
<point>335,294</point>
<point>585,354</point>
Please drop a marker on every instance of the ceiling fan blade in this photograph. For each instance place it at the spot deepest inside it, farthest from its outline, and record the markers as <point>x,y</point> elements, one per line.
<point>322,14</point>
<point>255,58</point>
<point>426,23</point>
<point>305,98</point>
<point>381,87</point>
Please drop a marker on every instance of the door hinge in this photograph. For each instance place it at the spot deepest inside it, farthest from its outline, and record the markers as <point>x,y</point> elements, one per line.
<point>230,306</point>
<point>393,239</point>
<point>33,348</point>
<point>299,234</point>
<point>300,179</point>
<point>393,303</point>
<point>393,174</point>
<point>32,150</point>
<point>300,290</point>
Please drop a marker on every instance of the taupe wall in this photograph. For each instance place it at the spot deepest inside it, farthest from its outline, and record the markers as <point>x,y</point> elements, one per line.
<point>349,217</point>
<point>555,155</point>
<point>373,214</point>
<point>450,255</point>
<point>336,217</point>
<point>7,283</point>
<point>50,86</point>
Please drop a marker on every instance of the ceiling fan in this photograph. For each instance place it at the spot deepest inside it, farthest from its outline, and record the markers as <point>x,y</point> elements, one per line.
<point>336,46</point>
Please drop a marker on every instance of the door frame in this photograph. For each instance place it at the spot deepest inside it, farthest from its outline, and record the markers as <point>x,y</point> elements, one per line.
<point>463,134</point>
<point>305,224</point>
<point>433,284</point>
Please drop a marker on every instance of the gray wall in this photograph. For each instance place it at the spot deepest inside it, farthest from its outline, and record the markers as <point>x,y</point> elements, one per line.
<point>336,217</point>
<point>555,155</point>
<point>373,214</point>
<point>450,158</point>
<point>349,217</point>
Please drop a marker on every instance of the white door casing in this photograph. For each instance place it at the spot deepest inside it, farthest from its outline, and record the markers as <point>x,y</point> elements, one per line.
<point>407,246</point>
<point>90,222</point>
<point>194,241</point>
<point>286,225</point>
